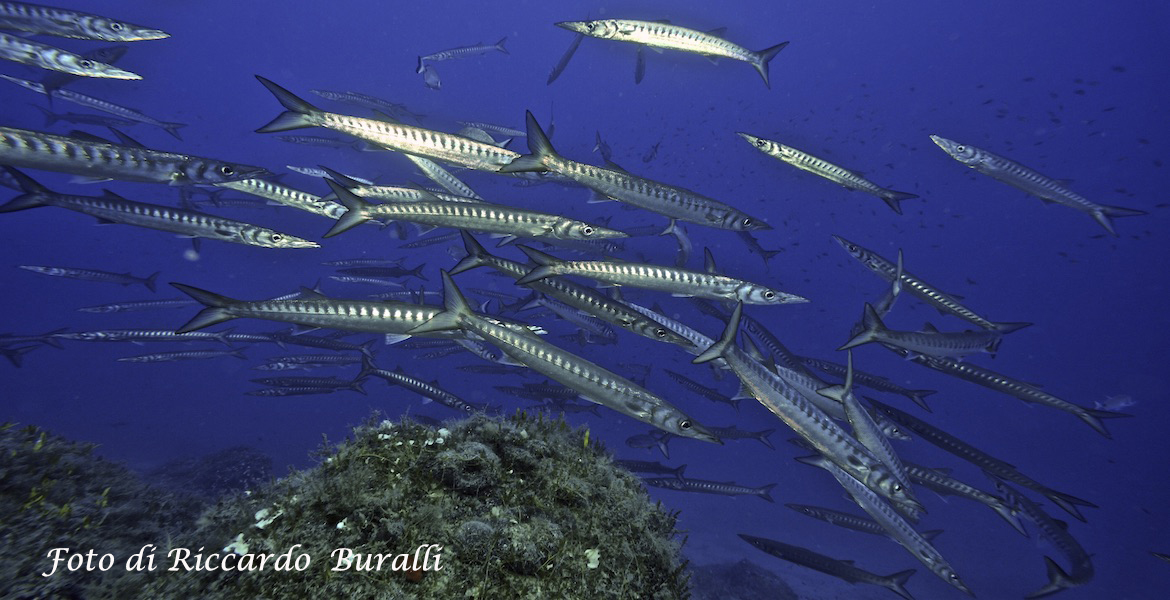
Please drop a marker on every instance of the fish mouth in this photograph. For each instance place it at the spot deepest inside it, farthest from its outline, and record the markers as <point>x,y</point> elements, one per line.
<point>577,26</point>
<point>942,142</point>
<point>149,34</point>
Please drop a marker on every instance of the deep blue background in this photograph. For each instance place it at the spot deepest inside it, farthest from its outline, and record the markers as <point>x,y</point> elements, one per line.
<point>1073,89</point>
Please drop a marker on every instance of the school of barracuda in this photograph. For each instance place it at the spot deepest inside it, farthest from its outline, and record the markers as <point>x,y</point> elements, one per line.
<point>849,434</point>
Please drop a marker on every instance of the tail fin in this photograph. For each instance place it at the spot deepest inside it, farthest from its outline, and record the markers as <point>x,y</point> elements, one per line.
<point>919,398</point>
<point>1009,327</point>
<point>727,340</point>
<point>1104,214</point>
<point>354,216</point>
<point>896,583</point>
<point>1068,503</point>
<point>1093,417</point>
<point>298,116</point>
<point>536,274</point>
<point>538,145</point>
<point>765,56</point>
<point>500,45</point>
<point>33,196</point>
<point>873,328</point>
<point>894,199</point>
<point>455,308</point>
<point>765,492</point>
<point>1002,509</point>
<point>1057,580</point>
<point>215,313</point>
<point>763,437</point>
<point>150,281</point>
<point>477,255</point>
<point>173,129</point>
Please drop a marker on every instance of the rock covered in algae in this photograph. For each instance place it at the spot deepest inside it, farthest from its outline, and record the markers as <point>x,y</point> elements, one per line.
<point>522,508</point>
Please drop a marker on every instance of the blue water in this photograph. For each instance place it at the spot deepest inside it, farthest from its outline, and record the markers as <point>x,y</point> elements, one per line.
<point>1073,89</point>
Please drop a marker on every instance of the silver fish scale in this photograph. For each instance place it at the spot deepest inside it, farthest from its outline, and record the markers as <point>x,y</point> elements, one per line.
<point>425,389</point>
<point>681,38</point>
<point>447,147</point>
<point>471,215</point>
<point>995,381</point>
<point>287,196</point>
<point>71,24</point>
<point>389,317</point>
<point>1033,182</point>
<point>55,59</point>
<point>654,277</point>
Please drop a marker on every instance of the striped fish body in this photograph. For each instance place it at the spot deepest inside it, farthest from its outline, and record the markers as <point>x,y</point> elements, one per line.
<point>840,519</point>
<point>61,22</point>
<point>47,57</point>
<point>841,569</point>
<point>893,523</point>
<point>679,282</point>
<point>666,200</point>
<point>710,487</point>
<point>429,390</point>
<point>182,355</point>
<point>672,37</point>
<point>112,208</point>
<point>462,52</point>
<point>97,104</point>
<point>823,168</point>
<point>944,484</point>
<point>436,145</point>
<point>869,380</point>
<point>592,381</point>
<point>291,391</point>
<point>1057,533</point>
<point>138,305</point>
<point>924,343</point>
<point>287,196</point>
<point>1028,180</point>
<point>931,295</point>
<point>93,275</point>
<point>36,150</point>
<point>808,421</point>
<point>443,177</point>
<point>142,335</point>
<point>393,193</point>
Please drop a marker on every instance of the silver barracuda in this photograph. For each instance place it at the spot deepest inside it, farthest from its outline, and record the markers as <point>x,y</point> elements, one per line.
<point>60,22</point>
<point>429,390</point>
<point>1019,389</point>
<point>475,216</point>
<point>808,421</point>
<point>573,294</point>
<point>436,145</point>
<point>108,55</point>
<point>703,390</point>
<point>1020,177</point>
<point>930,342</point>
<point>670,201</point>
<point>182,355</point>
<point>869,380</point>
<point>894,524</point>
<point>678,282</point>
<point>287,196</point>
<point>1057,533</point>
<point>990,464</point>
<point>367,101</point>
<point>93,275</point>
<point>121,112</point>
<point>841,569</point>
<point>721,488</point>
<point>945,303</point>
<point>492,128</point>
<point>594,382</point>
<point>849,521</point>
<point>138,305</point>
<point>942,483</point>
<point>389,193</point>
<point>112,208</point>
<point>672,37</point>
<point>819,166</point>
<point>461,52</point>
<point>76,156</point>
<point>47,57</point>
<point>144,335</point>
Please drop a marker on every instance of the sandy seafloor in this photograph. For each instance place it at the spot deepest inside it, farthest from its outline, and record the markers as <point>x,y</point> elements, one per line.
<point>1073,89</point>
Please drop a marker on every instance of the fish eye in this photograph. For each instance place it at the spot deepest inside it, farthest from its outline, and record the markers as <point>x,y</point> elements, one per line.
<point>85,64</point>
<point>116,26</point>
<point>954,576</point>
<point>587,230</point>
<point>852,248</point>
<point>660,332</point>
<point>276,237</point>
<point>684,424</point>
<point>227,170</point>
<point>747,222</point>
<point>897,487</point>
<point>960,148</point>
<point>768,295</point>
<point>761,143</point>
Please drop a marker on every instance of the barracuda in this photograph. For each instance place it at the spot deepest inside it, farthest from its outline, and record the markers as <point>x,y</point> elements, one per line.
<point>678,282</point>
<point>61,22</point>
<point>1019,389</point>
<point>446,147</point>
<point>112,208</point>
<point>808,421</point>
<point>894,524</point>
<point>94,275</point>
<point>475,216</point>
<point>97,104</point>
<point>592,381</point>
<point>36,150</point>
<point>930,342</point>
<point>944,484</point>
<point>672,37</point>
<point>391,193</point>
<point>282,194</point>
<point>981,459</point>
<point>578,296</point>
<point>931,295</point>
<point>1022,178</point>
<point>1057,533</point>
<point>819,166</point>
<point>670,201</point>
<point>850,521</point>
<point>869,380</point>
<point>722,488</point>
<point>462,52</point>
<point>50,58</point>
<point>841,569</point>
<point>428,390</point>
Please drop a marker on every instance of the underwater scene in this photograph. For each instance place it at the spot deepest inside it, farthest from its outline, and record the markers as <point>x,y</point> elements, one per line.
<point>584,300</point>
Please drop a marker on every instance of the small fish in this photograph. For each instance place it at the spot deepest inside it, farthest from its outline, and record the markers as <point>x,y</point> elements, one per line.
<point>841,569</point>
<point>98,104</point>
<point>138,305</point>
<point>930,342</point>
<point>648,466</point>
<point>461,52</point>
<point>722,488</point>
<point>565,58</point>
<point>431,78</point>
<point>183,355</point>
<point>94,275</point>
